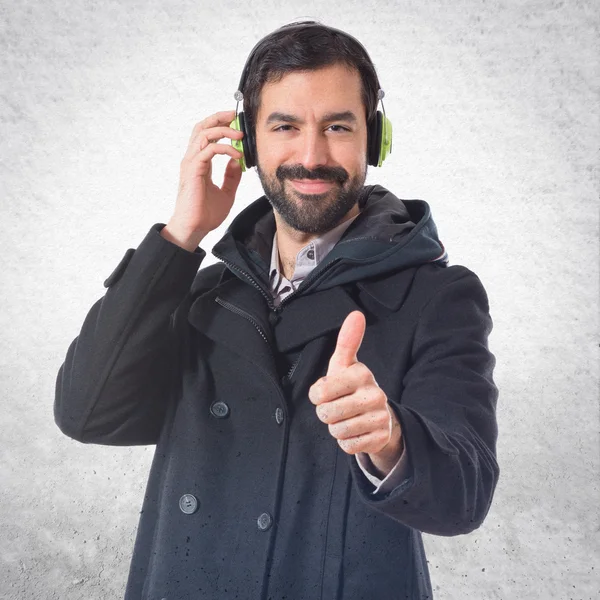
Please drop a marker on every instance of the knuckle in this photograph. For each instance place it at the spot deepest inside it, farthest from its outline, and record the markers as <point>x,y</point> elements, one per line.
<point>184,166</point>
<point>349,446</point>
<point>362,445</point>
<point>334,430</point>
<point>376,395</point>
<point>322,414</point>
<point>384,421</point>
<point>363,373</point>
<point>343,445</point>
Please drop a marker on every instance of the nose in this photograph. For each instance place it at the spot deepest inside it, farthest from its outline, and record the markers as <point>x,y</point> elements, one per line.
<point>314,149</point>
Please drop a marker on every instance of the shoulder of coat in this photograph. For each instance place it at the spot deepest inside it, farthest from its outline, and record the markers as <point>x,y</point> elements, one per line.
<point>430,278</point>
<point>208,278</point>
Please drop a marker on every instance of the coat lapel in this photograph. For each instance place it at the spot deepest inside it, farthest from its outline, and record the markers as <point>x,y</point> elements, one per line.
<point>389,290</point>
<point>312,316</point>
<point>235,314</point>
<point>318,313</point>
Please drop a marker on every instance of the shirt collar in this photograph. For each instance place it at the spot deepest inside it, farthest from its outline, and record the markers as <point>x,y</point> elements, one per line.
<point>311,254</point>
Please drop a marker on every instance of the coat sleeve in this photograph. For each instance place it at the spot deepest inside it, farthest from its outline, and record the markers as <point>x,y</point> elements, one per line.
<point>115,383</point>
<point>447,412</point>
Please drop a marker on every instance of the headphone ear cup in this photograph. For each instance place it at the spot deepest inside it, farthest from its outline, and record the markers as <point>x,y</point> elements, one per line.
<point>239,144</point>
<point>248,142</point>
<point>386,139</point>
<point>374,140</point>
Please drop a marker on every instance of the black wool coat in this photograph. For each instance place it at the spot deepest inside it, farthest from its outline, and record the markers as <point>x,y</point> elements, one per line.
<point>249,496</point>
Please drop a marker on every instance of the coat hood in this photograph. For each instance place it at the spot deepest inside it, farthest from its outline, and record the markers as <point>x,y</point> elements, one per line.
<point>389,235</point>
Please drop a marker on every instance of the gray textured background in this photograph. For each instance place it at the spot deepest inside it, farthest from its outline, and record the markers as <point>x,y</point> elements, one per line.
<point>495,113</point>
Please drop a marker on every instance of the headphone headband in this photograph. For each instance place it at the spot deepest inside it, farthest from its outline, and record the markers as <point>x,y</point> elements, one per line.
<point>239,94</point>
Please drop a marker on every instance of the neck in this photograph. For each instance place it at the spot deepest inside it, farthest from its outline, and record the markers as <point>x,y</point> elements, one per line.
<point>290,241</point>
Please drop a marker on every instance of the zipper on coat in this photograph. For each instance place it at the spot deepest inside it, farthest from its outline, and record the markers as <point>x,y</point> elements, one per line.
<point>308,278</point>
<point>238,311</point>
<point>313,276</point>
<point>247,316</point>
<point>268,297</point>
<point>293,367</point>
<point>251,279</point>
<point>316,273</point>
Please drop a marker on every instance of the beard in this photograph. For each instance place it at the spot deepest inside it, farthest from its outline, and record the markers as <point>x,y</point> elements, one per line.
<point>312,213</point>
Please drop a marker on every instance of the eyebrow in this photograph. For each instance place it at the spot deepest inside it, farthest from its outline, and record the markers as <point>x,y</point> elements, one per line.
<point>277,117</point>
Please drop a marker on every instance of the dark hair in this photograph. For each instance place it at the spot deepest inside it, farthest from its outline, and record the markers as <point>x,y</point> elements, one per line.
<point>305,46</point>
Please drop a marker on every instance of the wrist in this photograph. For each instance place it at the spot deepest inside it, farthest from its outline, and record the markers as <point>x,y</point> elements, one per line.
<point>188,240</point>
<point>385,460</point>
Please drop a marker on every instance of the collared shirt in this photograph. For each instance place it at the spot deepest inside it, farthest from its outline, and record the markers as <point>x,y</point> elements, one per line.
<point>306,260</point>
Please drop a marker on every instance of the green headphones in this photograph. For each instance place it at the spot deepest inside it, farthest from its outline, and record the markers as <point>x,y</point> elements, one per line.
<point>379,130</point>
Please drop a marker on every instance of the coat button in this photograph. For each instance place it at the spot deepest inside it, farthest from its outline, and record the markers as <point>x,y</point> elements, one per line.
<point>264,521</point>
<point>279,415</point>
<point>188,504</point>
<point>219,410</point>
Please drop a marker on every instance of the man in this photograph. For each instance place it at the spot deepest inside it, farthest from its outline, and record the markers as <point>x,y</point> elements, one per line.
<point>322,395</point>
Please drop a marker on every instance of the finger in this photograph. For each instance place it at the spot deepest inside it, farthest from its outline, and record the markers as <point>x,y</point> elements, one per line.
<point>232,177</point>
<point>346,407</point>
<point>367,443</point>
<point>212,149</point>
<point>202,137</point>
<point>361,425</point>
<point>348,342</point>
<point>214,134</point>
<point>351,380</point>
<point>223,117</point>
<point>201,164</point>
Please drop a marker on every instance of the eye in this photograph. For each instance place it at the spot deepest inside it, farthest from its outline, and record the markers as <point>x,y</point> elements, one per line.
<point>282,128</point>
<point>339,128</point>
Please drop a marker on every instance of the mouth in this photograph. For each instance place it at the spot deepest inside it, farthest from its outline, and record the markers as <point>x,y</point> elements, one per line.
<point>312,186</point>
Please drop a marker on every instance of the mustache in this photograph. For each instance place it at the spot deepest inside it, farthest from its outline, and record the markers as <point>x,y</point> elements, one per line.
<point>337,174</point>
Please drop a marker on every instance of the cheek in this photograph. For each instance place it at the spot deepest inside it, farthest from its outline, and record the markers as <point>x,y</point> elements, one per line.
<point>352,155</point>
<point>355,164</point>
<point>269,154</point>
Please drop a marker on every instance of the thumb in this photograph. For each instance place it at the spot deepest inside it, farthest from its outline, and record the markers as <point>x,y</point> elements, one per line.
<point>232,177</point>
<point>349,340</point>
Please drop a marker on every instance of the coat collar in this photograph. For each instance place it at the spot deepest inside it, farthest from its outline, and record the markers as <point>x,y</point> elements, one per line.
<point>315,315</point>
<point>236,314</point>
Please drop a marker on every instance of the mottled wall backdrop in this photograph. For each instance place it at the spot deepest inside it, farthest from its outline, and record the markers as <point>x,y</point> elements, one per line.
<point>495,112</point>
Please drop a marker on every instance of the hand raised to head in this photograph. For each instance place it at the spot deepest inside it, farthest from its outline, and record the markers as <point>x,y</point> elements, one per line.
<point>201,205</point>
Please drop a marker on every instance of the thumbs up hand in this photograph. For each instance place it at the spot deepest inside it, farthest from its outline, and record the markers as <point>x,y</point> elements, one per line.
<point>354,407</point>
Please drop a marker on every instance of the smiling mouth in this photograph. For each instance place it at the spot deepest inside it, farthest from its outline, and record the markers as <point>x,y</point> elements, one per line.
<point>312,186</point>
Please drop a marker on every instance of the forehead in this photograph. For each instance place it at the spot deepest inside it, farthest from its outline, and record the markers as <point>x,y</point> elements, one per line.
<point>332,88</point>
